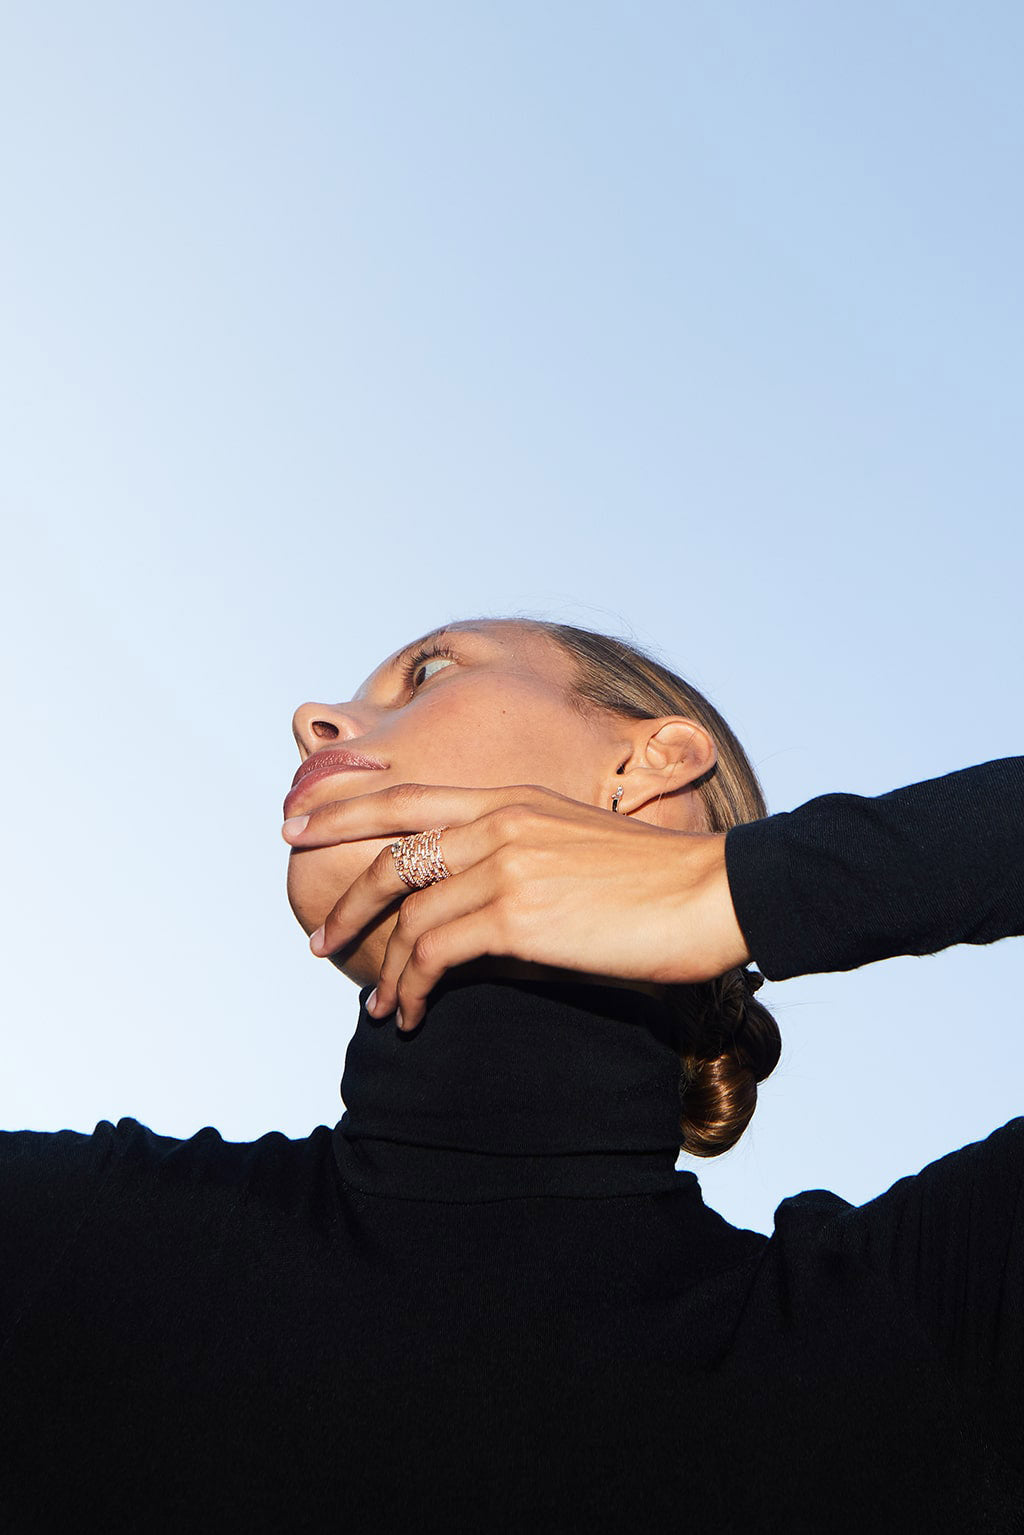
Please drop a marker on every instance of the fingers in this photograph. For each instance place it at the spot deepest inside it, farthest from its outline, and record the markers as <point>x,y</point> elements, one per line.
<point>423,914</point>
<point>380,885</point>
<point>436,951</point>
<point>402,809</point>
<point>377,888</point>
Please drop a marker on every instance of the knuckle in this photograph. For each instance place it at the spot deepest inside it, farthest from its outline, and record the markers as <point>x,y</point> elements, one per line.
<point>511,820</point>
<point>409,914</point>
<point>406,796</point>
<point>425,950</point>
<point>322,816</point>
<point>335,925</point>
<point>383,865</point>
<point>339,913</point>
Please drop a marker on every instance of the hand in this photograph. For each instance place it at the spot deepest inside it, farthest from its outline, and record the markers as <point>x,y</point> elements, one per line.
<point>535,876</point>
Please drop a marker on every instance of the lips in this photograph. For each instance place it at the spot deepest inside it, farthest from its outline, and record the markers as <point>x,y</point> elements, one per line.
<point>334,760</point>
<point>324,764</point>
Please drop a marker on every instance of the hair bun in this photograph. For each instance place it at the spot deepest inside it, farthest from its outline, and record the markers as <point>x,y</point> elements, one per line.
<point>729,1046</point>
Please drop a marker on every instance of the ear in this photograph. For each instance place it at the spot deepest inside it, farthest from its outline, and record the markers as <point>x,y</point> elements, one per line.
<point>668,757</point>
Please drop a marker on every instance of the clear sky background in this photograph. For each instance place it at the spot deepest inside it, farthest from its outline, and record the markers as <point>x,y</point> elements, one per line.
<point>321,324</point>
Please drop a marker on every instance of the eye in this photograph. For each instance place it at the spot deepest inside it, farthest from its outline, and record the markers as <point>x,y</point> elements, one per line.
<point>423,673</point>
<point>419,666</point>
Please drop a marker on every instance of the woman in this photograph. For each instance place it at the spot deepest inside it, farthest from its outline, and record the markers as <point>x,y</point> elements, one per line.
<point>485,1300</point>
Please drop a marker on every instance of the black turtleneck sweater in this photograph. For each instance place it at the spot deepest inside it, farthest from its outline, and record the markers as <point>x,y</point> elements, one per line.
<point>486,1301</point>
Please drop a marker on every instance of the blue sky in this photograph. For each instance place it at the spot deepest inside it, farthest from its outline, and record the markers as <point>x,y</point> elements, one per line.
<point>322,324</point>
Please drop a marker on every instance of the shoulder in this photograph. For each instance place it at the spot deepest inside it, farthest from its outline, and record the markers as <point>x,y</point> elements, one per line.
<point>964,1204</point>
<point>127,1141</point>
<point>49,1172</point>
<point>961,1215</point>
<point>984,1173</point>
<point>72,1200</point>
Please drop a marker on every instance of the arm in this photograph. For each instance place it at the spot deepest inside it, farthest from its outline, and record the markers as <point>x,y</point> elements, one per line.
<point>949,1244</point>
<point>549,881</point>
<point>845,880</point>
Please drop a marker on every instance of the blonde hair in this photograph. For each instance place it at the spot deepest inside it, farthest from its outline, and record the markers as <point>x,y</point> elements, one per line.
<point>728,1041</point>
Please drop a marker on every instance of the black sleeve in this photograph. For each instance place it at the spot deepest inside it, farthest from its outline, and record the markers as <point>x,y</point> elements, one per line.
<point>950,1243</point>
<point>49,1183</point>
<point>845,880</point>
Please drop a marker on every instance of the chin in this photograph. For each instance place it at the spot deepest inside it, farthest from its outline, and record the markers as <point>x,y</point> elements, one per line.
<point>317,878</point>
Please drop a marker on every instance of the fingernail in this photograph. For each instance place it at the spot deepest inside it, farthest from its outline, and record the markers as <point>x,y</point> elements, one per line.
<point>294,825</point>
<point>316,941</point>
<point>371,1001</point>
<point>398,1018</point>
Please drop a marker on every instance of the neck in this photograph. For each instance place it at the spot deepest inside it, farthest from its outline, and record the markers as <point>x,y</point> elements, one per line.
<point>501,968</point>
<point>513,1087</point>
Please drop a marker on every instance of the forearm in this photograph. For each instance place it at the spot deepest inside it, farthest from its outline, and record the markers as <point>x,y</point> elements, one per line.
<point>845,880</point>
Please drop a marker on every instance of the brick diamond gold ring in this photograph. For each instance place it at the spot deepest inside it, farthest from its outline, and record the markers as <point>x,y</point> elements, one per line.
<point>418,859</point>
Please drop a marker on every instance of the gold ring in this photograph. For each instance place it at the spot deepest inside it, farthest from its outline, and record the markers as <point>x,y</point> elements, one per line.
<point>418,859</point>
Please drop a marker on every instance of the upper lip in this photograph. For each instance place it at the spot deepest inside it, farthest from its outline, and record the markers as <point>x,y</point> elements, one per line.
<point>333,759</point>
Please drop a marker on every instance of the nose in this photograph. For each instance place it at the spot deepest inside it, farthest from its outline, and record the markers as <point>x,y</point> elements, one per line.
<point>317,725</point>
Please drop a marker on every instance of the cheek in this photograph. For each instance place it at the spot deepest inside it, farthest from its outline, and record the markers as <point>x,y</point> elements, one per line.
<point>518,738</point>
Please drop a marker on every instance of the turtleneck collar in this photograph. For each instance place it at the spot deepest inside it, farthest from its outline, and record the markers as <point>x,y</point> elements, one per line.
<point>514,1088</point>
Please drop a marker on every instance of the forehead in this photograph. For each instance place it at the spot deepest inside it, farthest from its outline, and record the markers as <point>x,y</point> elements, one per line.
<point>519,642</point>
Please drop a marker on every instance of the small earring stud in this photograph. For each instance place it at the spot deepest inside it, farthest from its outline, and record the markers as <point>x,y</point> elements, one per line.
<point>616,797</point>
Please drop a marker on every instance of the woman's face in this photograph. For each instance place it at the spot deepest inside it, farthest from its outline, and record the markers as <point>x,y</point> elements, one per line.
<point>488,710</point>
